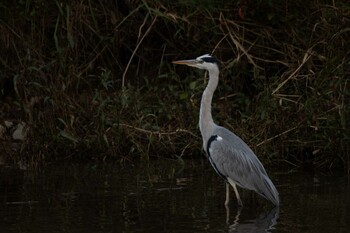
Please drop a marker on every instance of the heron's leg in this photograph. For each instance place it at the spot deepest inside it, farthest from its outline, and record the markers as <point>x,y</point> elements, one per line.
<point>227,214</point>
<point>239,201</point>
<point>227,194</point>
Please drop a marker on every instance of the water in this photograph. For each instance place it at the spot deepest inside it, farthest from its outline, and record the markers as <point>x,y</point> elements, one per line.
<point>163,196</point>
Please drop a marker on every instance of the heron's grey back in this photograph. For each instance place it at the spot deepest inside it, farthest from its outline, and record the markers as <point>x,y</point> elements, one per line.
<point>233,158</point>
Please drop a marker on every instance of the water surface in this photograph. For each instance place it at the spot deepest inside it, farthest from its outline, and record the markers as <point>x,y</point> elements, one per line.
<point>164,196</point>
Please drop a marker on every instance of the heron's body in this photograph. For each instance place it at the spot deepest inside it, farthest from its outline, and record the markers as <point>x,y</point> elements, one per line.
<point>229,155</point>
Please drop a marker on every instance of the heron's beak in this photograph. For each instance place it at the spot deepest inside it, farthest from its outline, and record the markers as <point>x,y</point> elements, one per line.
<point>191,62</point>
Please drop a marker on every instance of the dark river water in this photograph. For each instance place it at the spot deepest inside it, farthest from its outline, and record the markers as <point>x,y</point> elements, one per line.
<point>165,196</point>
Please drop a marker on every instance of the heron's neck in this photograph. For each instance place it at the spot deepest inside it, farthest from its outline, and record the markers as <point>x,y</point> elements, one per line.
<point>206,123</point>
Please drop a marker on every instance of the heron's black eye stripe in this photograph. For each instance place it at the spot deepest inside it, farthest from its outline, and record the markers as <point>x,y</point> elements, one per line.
<point>211,60</point>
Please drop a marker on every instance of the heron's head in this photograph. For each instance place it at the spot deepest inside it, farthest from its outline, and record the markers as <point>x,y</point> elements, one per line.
<point>206,62</point>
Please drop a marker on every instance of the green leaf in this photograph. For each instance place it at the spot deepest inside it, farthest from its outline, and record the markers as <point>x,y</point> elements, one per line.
<point>183,96</point>
<point>193,85</point>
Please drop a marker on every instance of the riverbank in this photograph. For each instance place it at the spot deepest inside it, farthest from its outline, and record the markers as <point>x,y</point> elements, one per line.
<point>88,78</point>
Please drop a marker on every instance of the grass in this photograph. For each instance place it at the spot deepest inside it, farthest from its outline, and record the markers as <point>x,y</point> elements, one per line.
<point>93,79</point>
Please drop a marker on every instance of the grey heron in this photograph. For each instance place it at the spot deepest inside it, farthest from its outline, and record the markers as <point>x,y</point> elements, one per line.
<point>228,154</point>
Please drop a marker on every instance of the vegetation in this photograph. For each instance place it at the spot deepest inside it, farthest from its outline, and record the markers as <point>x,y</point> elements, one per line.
<point>93,79</point>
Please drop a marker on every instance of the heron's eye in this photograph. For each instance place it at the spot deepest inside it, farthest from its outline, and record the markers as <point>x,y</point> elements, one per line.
<point>200,61</point>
